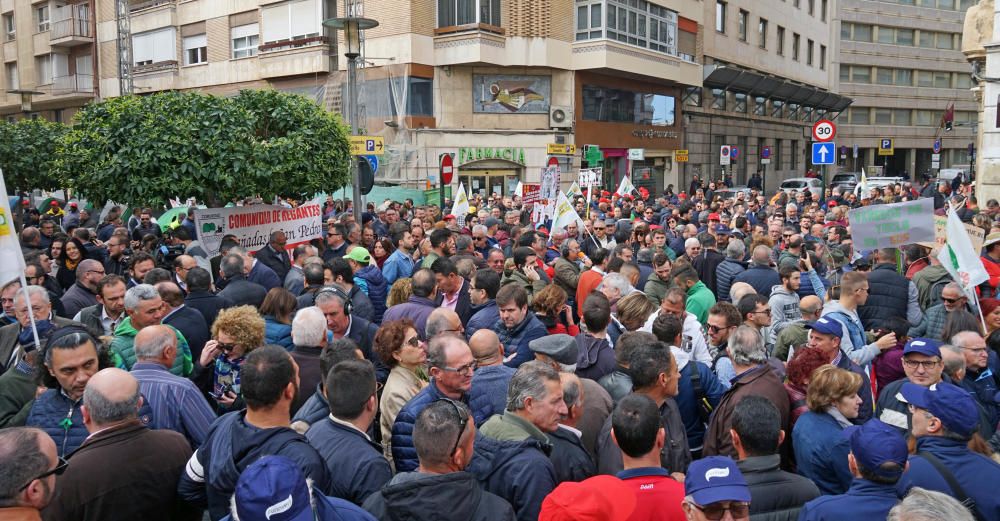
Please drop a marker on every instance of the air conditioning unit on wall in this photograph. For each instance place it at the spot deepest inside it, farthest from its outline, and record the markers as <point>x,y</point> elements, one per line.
<point>560,117</point>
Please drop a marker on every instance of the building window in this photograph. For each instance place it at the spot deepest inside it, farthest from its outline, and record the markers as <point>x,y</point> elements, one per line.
<point>795,46</point>
<point>42,17</point>
<point>51,66</point>
<point>740,103</point>
<point>822,57</point>
<point>812,7</point>
<point>883,76</point>
<point>883,116</point>
<point>10,70</point>
<point>822,10</point>
<point>942,80</point>
<point>777,108</point>
<point>795,155</point>
<point>780,37</point>
<point>861,74</point>
<point>855,32</point>
<point>963,81</point>
<point>901,117</point>
<point>691,97</point>
<point>719,99</point>
<point>904,37</point>
<point>589,21</point>
<point>742,25</point>
<point>858,116</point>
<point>904,77</point>
<point>195,49</point>
<point>760,106</point>
<point>793,111</point>
<point>464,12</point>
<point>845,73</point>
<point>623,106</point>
<point>762,33</point>
<point>720,16</point>
<point>633,22</point>
<point>809,52</point>
<point>245,40</point>
<point>291,21</point>
<point>9,29</point>
<point>155,46</point>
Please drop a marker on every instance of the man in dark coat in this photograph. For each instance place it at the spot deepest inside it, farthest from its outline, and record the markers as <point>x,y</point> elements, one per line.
<point>354,462</point>
<point>756,433</point>
<point>239,290</point>
<point>760,274</point>
<point>889,294</point>
<point>274,255</point>
<point>16,337</point>
<point>340,320</point>
<point>440,481</point>
<point>91,488</point>
<point>200,297</point>
<point>453,290</point>
<point>83,292</point>
<point>708,261</point>
<point>571,460</point>
<point>189,321</point>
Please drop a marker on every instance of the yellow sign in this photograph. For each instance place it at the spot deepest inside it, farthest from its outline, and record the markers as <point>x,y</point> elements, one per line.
<point>681,156</point>
<point>885,147</point>
<point>367,145</point>
<point>555,149</point>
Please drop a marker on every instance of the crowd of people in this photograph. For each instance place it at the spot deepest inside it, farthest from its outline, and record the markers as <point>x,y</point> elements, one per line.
<point>674,356</point>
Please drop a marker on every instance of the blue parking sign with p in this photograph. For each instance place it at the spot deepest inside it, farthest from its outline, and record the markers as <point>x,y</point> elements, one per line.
<point>369,145</point>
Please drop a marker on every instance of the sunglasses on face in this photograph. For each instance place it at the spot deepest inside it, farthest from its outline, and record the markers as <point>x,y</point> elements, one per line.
<point>226,348</point>
<point>717,511</point>
<point>414,342</point>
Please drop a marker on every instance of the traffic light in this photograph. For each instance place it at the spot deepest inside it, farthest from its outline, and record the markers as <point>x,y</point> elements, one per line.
<point>366,176</point>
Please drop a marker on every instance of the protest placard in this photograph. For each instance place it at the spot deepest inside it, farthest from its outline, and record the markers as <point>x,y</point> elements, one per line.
<point>532,193</point>
<point>253,225</point>
<point>976,234</point>
<point>892,225</point>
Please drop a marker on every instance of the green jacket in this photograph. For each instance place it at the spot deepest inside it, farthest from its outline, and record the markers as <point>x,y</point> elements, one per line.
<point>656,288</point>
<point>519,278</point>
<point>123,349</point>
<point>511,427</point>
<point>794,335</point>
<point>429,259</point>
<point>17,393</point>
<point>925,279</point>
<point>699,300</point>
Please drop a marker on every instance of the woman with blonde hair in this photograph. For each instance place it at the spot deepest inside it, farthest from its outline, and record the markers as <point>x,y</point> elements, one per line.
<point>400,292</point>
<point>634,310</point>
<point>235,332</point>
<point>818,438</point>
<point>400,348</point>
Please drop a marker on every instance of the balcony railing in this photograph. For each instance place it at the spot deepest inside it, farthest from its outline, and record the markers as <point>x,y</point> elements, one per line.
<point>136,5</point>
<point>71,27</point>
<point>82,83</point>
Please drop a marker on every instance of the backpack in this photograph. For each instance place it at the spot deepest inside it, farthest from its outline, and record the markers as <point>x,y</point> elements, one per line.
<point>704,406</point>
<point>934,293</point>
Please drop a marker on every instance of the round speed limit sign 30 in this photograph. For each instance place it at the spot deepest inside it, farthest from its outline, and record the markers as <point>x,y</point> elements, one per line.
<point>824,130</point>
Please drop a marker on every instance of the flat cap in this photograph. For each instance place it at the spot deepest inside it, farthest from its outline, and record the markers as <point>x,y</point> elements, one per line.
<point>561,348</point>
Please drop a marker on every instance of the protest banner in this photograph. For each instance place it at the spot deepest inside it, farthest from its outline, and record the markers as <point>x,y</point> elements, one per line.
<point>532,193</point>
<point>976,234</point>
<point>892,225</point>
<point>253,225</point>
<point>550,191</point>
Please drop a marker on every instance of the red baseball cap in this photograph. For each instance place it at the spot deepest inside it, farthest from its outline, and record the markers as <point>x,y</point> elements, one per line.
<point>54,203</point>
<point>831,204</point>
<point>714,217</point>
<point>600,498</point>
<point>449,216</point>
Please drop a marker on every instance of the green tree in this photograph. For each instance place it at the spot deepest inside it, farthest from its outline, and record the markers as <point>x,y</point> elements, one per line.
<point>146,149</point>
<point>27,153</point>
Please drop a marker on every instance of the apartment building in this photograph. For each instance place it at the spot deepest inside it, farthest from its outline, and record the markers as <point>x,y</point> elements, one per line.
<point>769,74</point>
<point>48,53</point>
<point>902,63</point>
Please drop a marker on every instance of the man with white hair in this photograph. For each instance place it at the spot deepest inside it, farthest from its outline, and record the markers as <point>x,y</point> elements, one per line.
<point>729,268</point>
<point>615,286</point>
<point>692,247</point>
<point>176,402</point>
<point>309,335</point>
<point>144,307</point>
<point>16,339</point>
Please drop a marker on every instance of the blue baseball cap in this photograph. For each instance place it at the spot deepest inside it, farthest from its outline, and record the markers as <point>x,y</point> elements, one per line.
<point>273,488</point>
<point>875,443</point>
<point>953,405</point>
<point>924,346</point>
<point>827,326</point>
<point>715,478</point>
<point>722,229</point>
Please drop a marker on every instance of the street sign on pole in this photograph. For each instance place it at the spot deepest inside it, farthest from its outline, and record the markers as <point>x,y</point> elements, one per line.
<point>937,146</point>
<point>734,152</point>
<point>681,156</point>
<point>447,168</point>
<point>557,149</point>
<point>824,130</point>
<point>765,153</point>
<point>373,161</point>
<point>885,147</point>
<point>824,153</point>
<point>367,145</point>
<point>724,155</point>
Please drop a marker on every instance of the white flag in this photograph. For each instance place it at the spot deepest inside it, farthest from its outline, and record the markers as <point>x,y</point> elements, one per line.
<point>11,259</point>
<point>461,207</point>
<point>564,214</point>
<point>959,257</point>
<point>864,185</point>
<point>519,189</point>
<point>625,187</point>
<point>574,190</point>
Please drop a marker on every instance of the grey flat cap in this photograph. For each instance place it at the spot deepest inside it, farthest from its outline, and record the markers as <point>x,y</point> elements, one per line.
<point>561,348</point>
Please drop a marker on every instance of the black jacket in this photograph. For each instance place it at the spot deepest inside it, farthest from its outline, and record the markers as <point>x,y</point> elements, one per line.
<point>354,464</point>
<point>416,496</point>
<point>888,296</point>
<point>570,459</point>
<point>705,264</point>
<point>776,495</point>
<point>242,292</point>
<point>208,304</point>
<point>675,456</point>
<point>192,324</point>
<point>464,305</point>
<point>363,333</point>
<point>277,261</point>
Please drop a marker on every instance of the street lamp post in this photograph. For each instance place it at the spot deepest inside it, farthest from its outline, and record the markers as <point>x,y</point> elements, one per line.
<point>352,27</point>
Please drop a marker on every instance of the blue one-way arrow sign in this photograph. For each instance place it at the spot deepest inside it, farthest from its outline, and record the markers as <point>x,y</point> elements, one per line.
<point>824,153</point>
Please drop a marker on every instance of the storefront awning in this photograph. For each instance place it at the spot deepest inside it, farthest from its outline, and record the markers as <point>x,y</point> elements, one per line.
<point>755,83</point>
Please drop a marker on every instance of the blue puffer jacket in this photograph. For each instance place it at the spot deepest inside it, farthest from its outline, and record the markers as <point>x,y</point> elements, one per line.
<point>821,452</point>
<point>975,473</point>
<point>49,412</point>
<point>518,471</point>
<point>277,333</point>
<point>515,341</point>
<point>378,289</point>
<point>725,272</point>
<point>484,316</point>
<point>404,454</point>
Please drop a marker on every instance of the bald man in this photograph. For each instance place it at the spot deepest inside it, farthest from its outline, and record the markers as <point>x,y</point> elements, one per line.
<point>795,334</point>
<point>28,457</point>
<point>488,395</point>
<point>83,292</point>
<point>121,453</point>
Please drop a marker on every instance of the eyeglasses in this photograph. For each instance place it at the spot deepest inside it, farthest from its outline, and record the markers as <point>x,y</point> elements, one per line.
<point>414,342</point>
<point>226,348</point>
<point>926,364</point>
<point>951,300</point>
<point>61,465</point>
<point>716,329</point>
<point>465,370</point>
<point>764,311</point>
<point>716,511</point>
<point>463,420</point>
